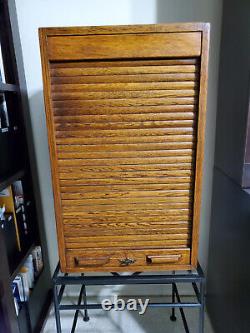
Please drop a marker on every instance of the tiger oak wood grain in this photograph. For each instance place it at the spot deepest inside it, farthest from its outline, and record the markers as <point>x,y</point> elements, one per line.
<point>125,110</point>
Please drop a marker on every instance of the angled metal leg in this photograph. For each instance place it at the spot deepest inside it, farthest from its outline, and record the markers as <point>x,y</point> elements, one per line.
<point>77,311</point>
<point>86,316</point>
<point>183,317</point>
<point>202,308</point>
<point>173,316</point>
<point>57,313</point>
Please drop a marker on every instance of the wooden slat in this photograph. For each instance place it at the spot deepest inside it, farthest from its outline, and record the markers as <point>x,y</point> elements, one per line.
<point>121,201</point>
<point>88,224</point>
<point>122,175</point>
<point>139,213</point>
<point>125,181</point>
<point>132,102</point>
<point>125,161</point>
<point>126,168</point>
<point>169,243</point>
<point>130,140</point>
<point>125,133</point>
<point>122,87</point>
<point>128,207</point>
<point>124,117</point>
<point>96,96</point>
<point>109,238</point>
<point>125,147</point>
<point>128,70</point>
<point>113,188</point>
<point>131,222</point>
<point>114,219</point>
<point>123,125</point>
<point>131,78</point>
<point>126,194</point>
<point>72,229</point>
<point>107,110</point>
<point>124,63</point>
<point>124,154</point>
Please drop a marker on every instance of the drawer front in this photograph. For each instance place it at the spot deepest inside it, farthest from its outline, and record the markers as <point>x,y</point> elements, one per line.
<point>127,260</point>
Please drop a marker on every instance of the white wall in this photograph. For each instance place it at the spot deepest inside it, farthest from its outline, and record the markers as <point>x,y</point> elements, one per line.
<point>43,13</point>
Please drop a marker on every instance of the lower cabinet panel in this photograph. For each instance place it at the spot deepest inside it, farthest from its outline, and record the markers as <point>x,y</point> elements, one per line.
<point>127,260</point>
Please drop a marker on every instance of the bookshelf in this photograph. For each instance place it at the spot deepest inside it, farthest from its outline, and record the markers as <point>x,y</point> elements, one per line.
<point>21,231</point>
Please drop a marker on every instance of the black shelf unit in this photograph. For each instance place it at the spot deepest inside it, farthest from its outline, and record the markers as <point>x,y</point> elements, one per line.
<point>17,163</point>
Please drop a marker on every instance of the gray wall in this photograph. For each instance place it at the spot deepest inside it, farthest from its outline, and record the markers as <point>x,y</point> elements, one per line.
<point>203,11</point>
<point>34,14</point>
<point>228,275</point>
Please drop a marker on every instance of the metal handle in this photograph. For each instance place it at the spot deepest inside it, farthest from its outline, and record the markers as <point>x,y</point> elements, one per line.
<point>164,259</point>
<point>127,261</point>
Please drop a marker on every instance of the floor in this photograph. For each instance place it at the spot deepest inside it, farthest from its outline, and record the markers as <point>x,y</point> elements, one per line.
<point>155,320</point>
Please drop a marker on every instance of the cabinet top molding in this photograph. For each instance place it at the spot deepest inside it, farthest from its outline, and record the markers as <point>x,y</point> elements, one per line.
<point>125,29</point>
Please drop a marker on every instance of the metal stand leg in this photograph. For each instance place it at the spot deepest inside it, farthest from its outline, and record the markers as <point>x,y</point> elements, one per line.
<point>86,316</point>
<point>77,311</point>
<point>202,308</point>
<point>173,316</point>
<point>57,313</point>
<point>183,317</point>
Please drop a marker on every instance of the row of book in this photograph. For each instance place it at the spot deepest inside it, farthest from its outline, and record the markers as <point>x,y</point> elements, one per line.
<point>24,281</point>
<point>17,229</point>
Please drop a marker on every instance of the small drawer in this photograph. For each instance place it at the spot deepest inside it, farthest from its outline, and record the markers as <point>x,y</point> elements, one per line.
<point>127,260</point>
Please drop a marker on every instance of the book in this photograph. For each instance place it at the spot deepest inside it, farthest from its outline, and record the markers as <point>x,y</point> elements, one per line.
<point>18,282</point>
<point>37,259</point>
<point>17,188</point>
<point>6,198</point>
<point>4,118</point>
<point>2,72</point>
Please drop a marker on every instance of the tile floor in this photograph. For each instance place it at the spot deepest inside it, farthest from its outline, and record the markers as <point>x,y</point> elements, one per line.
<point>155,320</point>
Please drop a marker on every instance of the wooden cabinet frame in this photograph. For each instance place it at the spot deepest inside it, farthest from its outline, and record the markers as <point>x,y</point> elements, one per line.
<point>164,41</point>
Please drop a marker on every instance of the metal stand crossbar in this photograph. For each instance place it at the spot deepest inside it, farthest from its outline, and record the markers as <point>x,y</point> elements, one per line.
<point>195,278</point>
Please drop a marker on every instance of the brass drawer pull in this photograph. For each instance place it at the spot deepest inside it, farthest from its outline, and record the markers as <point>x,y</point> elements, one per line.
<point>126,261</point>
<point>164,259</point>
<point>100,261</point>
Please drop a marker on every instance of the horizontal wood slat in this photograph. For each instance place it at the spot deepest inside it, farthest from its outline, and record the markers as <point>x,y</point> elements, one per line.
<point>109,110</point>
<point>125,161</point>
<point>124,70</point>
<point>126,194</point>
<point>113,188</point>
<point>124,117</point>
<point>129,174</point>
<point>169,79</point>
<point>125,63</point>
<point>132,102</point>
<point>124,147</point>
<point>169,243</point>
<point>131,140</point>
<point>125,87</point>
<point>110,95</point>
<point>122,201</point>
<point>138,132</point>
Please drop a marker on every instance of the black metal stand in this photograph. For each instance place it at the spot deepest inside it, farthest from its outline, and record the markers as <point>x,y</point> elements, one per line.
<point>195,278</point>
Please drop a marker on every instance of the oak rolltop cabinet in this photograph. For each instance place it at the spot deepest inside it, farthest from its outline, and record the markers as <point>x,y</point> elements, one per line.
<point>125,109</point>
